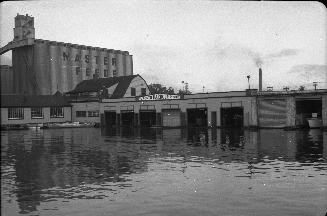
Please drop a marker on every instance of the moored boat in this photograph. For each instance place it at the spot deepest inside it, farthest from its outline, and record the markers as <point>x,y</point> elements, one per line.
<point>314,122</point>
<point>67,125</point>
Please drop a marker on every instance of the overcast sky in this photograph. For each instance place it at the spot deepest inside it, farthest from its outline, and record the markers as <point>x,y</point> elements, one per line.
<point>214,44</point>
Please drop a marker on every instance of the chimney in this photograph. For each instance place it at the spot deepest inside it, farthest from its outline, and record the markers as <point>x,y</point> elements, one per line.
<point>260,79</point>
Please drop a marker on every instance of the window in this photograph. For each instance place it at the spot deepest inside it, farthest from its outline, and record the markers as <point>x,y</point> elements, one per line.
<point>16,113</point>
<point>105,73</point>
<point>80,113</point>
<point>133,92</point>
<point>113,61</point>
<point>36,112</point>
<point>105,60</point>
<point>143,91</point>
<point>96,59</point>
<point>114,73</point>
<point>96,72</point>
<point>93,113</point>
<point>88,72</point>
<point>56,112</point>
<point>78,70</point>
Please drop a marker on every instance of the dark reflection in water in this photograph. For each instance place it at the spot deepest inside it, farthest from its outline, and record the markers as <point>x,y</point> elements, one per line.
<point>51,167</point>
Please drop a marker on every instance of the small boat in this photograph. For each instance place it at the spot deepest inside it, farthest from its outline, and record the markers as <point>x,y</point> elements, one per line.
<point>14,127</point>
<point>314,122</point>
<point>67,125</point>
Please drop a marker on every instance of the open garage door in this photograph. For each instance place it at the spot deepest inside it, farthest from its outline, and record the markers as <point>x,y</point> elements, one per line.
<point>147,118</point>
<point>171,118</point>
<point>110,118</point>
<point>127,118</point>
<point>307,108</point>
<point>231,117</point>
<point>197,117</point>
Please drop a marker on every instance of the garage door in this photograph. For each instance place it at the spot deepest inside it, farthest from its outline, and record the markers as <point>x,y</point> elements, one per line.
<point>171,118</point>
<point>272,113</point>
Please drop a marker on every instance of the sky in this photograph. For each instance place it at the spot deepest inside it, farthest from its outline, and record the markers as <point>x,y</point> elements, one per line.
<point>211,45</point>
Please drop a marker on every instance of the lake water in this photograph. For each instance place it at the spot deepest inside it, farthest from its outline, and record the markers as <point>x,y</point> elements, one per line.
<point>89,171</point>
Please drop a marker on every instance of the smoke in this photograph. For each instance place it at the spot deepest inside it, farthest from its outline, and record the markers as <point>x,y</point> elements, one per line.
<point>259,59</point>
<point>283,53</point>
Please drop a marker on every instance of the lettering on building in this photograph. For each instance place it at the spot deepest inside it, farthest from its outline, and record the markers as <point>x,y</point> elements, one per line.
<point>87,58</point>
<point>158,97</point>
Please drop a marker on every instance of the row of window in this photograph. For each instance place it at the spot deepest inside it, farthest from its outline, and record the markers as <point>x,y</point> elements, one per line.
<point>89,113</point>
<point>133,91</point>
<point>96,71</point>
<point>36,112</point>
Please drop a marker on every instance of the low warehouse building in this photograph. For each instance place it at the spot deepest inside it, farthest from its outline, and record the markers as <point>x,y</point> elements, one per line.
<point>34,109</point>
<point>230,109</point>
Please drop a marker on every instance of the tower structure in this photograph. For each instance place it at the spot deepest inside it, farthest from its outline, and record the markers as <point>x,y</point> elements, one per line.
<point>24,27</point>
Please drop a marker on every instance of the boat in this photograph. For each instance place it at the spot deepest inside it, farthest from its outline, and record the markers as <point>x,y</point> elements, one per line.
<point>314,122</point>
<point>14,127</point>
<point>67,125</point>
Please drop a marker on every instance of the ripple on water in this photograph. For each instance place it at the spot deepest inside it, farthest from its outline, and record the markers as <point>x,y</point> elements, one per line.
<point>46,170</point>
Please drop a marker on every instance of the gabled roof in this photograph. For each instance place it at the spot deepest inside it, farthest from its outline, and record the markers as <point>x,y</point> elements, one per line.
<point>95,85</point>
<point>34,100</point>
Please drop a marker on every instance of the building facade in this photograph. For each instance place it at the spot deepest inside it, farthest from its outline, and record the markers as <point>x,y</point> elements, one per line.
<point>218,109</point>
<point>36,109</point>
<point>221,109</point>
<point>7,79</point>
<point>44,67</point>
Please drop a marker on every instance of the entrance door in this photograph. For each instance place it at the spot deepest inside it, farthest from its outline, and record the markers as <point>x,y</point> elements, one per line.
<point>214,119</point>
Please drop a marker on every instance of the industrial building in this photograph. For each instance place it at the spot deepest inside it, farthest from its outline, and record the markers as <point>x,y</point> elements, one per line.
<point>42,67</point>
<point>7,79</point>
<point>252,108</point>
<point>101,88</point>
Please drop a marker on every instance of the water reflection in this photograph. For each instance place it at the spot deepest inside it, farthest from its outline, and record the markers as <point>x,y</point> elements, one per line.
<point>68,164</point>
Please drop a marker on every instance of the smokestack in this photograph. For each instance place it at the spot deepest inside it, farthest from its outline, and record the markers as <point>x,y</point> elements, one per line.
<point>260,79</point>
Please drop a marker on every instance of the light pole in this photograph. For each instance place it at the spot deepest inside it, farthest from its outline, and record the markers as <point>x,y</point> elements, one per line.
<point>248,76</point>
<point>315,85</point>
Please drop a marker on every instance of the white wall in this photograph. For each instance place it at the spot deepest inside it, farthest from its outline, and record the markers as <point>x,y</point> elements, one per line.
<point>137,83</point>
<point>28,120</point>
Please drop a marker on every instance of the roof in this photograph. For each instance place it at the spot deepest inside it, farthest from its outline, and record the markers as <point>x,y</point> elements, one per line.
<point>34,100</point>
<point>95,85</point>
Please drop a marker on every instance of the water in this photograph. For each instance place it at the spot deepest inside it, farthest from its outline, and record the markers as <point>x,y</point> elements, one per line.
<point>89,171</point>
